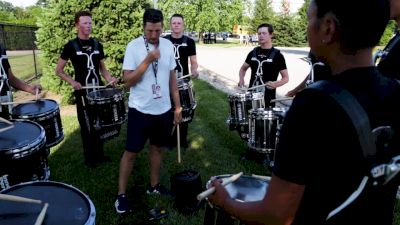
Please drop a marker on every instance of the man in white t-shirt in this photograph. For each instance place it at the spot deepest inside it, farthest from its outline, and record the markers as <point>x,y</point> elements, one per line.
<point>148,68</point>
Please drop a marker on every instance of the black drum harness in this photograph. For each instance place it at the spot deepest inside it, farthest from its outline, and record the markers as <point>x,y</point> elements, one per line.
<point>381,54</point>
<point>179,73</point>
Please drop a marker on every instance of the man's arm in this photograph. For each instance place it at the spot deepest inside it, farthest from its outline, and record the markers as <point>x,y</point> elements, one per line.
<point>131,77</point>
<point>284,79</point>
<point>242,74</point>
<point>61,73</point>
<point>106,74</point>
<point>174,92</point>
<point>194,66</point>
<point>21,85</point>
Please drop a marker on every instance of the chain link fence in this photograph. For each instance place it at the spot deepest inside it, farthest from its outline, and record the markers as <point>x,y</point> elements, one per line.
<point>22,52</point>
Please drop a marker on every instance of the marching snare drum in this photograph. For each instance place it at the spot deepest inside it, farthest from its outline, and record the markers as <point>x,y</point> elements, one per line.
<point>45,112</point>
<point>67,205</point>
<point>107,107</point>
<point>244,189</point>
<point>23,153</point>
<point>188,101</point>
<point>240,104</point>
<point>263,126</point>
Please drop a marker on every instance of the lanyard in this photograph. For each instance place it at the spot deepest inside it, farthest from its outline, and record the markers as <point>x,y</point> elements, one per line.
<point>155,62</point>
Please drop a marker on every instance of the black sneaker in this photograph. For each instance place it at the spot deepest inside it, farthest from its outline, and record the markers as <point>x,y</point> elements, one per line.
<point>122,204</point>
<point>158,189</point>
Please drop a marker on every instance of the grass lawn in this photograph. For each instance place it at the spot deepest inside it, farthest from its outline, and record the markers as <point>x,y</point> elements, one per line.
<point>23,66</point>
<point>214,150</point>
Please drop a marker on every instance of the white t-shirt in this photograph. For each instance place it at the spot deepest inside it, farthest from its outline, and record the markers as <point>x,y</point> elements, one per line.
<point>141,94</point>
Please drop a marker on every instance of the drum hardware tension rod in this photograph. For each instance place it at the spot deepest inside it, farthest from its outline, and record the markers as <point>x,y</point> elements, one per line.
<point>42,214</point>
<point>225,182</point>
<point>13,198</point>
<point>281,99</point>
<point>184,76</point>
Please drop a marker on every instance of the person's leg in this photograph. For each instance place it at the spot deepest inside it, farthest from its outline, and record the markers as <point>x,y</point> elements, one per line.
<point>125,169</point>
<point>155,164</point>
<point>183,130</point>
<point>84,123</point>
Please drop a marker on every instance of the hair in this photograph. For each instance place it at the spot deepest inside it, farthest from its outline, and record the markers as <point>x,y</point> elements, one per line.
<point>177,15</point>
<point>361,23</point>
<point>267,25</point>
<point>81,13</point>
<point>152,16</point>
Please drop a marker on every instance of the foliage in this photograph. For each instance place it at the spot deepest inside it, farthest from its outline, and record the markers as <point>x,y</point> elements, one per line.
<point>263,13</point>
<point>115,24</point>
<point>391,28</point>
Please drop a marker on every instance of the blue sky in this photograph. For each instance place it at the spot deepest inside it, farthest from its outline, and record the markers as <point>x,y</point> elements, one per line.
<point>22,3</point>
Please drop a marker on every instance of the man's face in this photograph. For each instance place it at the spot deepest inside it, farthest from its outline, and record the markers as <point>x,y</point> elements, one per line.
<point>314,40</point>
<point>177,25</point>
<point>263,35</point>
<point>152,32</point>
<point>84,25</point>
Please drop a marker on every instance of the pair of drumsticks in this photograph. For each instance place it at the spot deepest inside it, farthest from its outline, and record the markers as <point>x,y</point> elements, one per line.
<point>14,198</point>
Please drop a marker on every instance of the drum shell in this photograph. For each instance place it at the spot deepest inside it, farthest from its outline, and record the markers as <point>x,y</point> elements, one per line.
<point>107,107</point>
<point>263,126</point>
<point>26,161</point>
<point>187,100</point>
<point>67,204</point>
<point>186,185</point>
<point>45,112</point>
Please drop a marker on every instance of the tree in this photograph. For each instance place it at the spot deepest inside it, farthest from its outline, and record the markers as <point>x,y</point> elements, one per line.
<point>263,13</point>
<point>115,23</point>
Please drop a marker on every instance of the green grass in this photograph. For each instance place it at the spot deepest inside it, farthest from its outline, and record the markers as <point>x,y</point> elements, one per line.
<point>23,66</point>
<point>214,150</point>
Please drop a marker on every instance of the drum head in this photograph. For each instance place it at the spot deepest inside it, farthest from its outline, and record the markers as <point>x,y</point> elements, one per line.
<point>108,93</point>
<point>246,188</point>
<point>67,205</point>
<point>22,134</point>
<point>40,107</point>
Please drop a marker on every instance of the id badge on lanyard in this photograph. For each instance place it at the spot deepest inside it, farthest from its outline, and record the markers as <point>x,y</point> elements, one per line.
<point>156,88</point>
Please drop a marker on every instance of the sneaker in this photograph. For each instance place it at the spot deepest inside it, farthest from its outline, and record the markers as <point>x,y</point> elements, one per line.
<point>122,204</point>
<point>158,189</point>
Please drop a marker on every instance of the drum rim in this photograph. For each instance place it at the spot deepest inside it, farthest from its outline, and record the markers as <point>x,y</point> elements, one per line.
<point>33,146</point>
<point>92,210</point>
<point>118,95</point>
<point>46,115</point>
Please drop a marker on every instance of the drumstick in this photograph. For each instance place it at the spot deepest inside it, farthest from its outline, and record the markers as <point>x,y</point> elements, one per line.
<point>178,143</point>
<point>6,121</point>
<point>36,94</point>
<point>173,129</point>
<point>225,182</point>
<point>17,102</point>
<point>42,214</point>
<point>184,76</point>
<point>261,177</point>
<point>281,99</point>
<point>13,198</point>
<point>89,87</point>
<point>254,87</point>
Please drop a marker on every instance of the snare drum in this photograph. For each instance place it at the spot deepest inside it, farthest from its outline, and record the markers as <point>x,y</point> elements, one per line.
<point>67,205</point>
<point>107,107</point>
<point>240,104</point>
<point>23,153</point>
<point>244,189</point>
<point>263,126</point>
<point>187,99</point>
<point>45,112</point>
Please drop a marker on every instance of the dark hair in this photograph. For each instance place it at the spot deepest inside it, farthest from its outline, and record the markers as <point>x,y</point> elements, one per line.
<point>177,15</point>
<point>361,23</point>
<point>152,16</point>
<point>81,13</point>
<point>267,25</point>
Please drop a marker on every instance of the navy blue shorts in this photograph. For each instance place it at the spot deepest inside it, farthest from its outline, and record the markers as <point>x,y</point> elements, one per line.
<point>141,127</point>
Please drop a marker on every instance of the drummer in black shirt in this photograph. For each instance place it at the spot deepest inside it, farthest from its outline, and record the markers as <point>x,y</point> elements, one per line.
<point>87,57</point>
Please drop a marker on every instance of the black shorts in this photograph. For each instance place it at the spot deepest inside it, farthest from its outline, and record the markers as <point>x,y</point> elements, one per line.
<point>141,126</point>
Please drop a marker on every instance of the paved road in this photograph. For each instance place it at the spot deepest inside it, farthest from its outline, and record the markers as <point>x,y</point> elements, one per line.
<point>224,63</point>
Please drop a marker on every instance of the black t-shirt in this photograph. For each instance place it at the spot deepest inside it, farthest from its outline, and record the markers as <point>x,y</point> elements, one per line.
<point>80,62</point>
<point>270,67</point>
<point>388,66</point>
<point>319,148</point>
<point>184,52</point>
<point>320,72</point>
